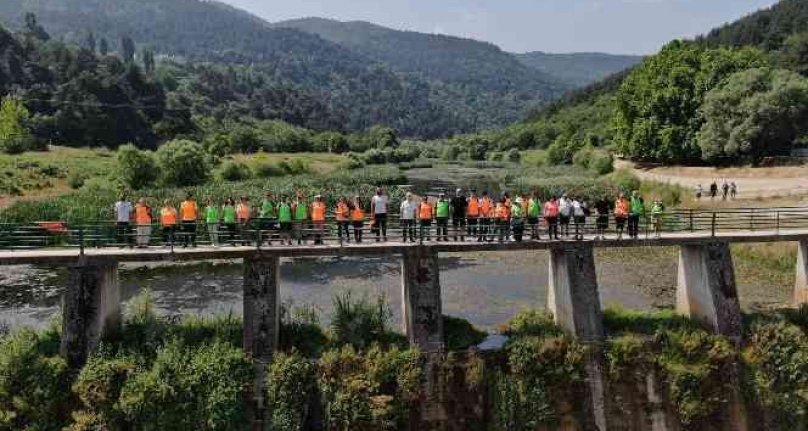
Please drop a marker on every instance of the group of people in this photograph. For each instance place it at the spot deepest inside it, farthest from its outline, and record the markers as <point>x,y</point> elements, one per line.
<point>295,218</point>
<point>728,190</point>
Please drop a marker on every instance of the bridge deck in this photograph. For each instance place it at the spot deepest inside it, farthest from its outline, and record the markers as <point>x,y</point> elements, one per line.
<point>64,256</point>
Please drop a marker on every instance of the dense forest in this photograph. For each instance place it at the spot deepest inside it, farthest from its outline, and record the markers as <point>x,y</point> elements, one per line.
<point>429,92</point>
<point>737,94</point>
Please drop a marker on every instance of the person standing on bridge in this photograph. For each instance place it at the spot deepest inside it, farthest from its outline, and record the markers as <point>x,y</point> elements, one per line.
<point>212,219</point>
<point>502,213</point>
<point>143,219</point>
<point>357,218</point>
<point>244,214</point>
<point>269,218</point>
<point>343,215</point>
<point>472,215</point>
<point>408,213</point>
<point>425,214</point>
<point>533,213</point>
<point>442,213</point>
<point>168,222</point>
<point>378,209</point>
<point>318,219</point>
<point>486,214</point>
<point>285,220</point>
<point>565,214</point>
<point>459,207</point>
<point>636,213</point>
<point>578,217</point>
<point>621,210</point>
<point>123,217</point>
<point>518,218</point>
<point>656,217</point>
<point>229,220</point>
<point>189,213</point>
<point>603,208</point>
<point>551,217</point>
<point>300,214</point>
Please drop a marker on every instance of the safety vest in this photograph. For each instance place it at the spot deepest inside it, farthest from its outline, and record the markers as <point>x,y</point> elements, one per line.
<point>637,207</point>
<point>442,209</point>
<point>485,207</point>
<point>168,216</point>
<point>551,209</point>
<point>533,208</point>
<point>300,211</point>
<point>518,211</point>
<point>621,208</point>
<point>342,211</point>
<point>657,209</point>
<point>212,214</point>
<point>318,211</point>
<point>188,211</point>
<point>425,211</point>
<point>357,214</point>
<point>268,209</point>
<point>229,214</point>
<point>142,214</point>
<point>473,210</point>
<point>501,211</point>
<point>243,211</point>
<point>284,213</point>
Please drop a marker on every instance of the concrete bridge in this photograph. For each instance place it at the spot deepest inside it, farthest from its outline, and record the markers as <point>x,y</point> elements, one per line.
<point>706,288</point>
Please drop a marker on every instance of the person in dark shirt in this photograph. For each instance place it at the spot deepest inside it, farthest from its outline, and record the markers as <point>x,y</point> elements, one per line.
<point>603,207</point>
<point>459,204</point>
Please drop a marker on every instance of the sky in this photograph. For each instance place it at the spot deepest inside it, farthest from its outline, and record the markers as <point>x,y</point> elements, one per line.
<point>613,26</point>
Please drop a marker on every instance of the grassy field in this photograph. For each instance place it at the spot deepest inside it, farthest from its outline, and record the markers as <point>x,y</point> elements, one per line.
<point>321,163</point>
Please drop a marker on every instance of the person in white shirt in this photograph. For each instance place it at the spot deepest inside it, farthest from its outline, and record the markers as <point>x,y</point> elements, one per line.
<point>407,218</point>
<point>565,213</point>
<point>579,218</point>
<point>378,208</point>
<point>123,217</point>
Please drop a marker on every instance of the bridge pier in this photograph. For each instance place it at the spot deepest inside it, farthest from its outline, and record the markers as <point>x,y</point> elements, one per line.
<point>261,325</point>
<point>574,300</point>
<point>91,308</point>
<point>801,284</point>
<point>706,288</point>
<point>421,299</point>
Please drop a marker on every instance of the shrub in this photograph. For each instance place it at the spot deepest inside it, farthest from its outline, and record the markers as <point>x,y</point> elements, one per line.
<point>137,169</point>
<point>291,382</point>
<point>234,171</point>
<point>361,322</point>
<point>76,180</point>
<point>602,163</point>
<point>98,387</point>
<point>461,334</point>
<point>301,331</point>
<point>625,181</point>
<point>514,156</point>
<point>182,163</point>
<point>15,133</point>
<point>531,323</point>
<point>267,170</point>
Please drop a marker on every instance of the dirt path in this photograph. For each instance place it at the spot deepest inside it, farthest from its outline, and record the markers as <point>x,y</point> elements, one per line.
<point>786,182</point>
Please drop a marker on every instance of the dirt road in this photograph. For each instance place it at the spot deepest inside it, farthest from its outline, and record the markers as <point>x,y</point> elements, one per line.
<point>788,183</point>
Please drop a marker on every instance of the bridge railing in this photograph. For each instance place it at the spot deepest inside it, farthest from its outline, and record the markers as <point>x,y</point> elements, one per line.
<point>265,233</point>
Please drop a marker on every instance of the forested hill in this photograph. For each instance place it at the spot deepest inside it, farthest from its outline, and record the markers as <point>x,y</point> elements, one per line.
<point>768,29</point>
<point>578,69</point>
<point>437,100</point>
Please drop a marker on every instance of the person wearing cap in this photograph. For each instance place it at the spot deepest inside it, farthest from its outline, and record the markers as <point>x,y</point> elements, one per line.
<point>378,209</point>
<point>407,215</point>
<point>442,213</point>
<point>458,209</point>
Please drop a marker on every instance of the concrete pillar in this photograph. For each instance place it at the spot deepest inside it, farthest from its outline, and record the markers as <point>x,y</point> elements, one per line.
<point>574,300</point>
<point>573,296</point>
<point>706,288</point>
<point>801,285</point>
<point>261,325</point>
<point>421,299</point>
<point>91,308</point>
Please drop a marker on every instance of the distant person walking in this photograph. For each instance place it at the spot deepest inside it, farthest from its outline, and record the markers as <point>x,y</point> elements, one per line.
<point>713,190</point>
<point>168,222</point>
<point>699,191</point>
<point>459,206</point>
<point>189,213</point>
<point>733,190</point>
<point>725,190</point>
<point>378,208</point>
<point>407,215</point>
<point>123,217</point>
<point>551,217</point>
<point>143,219</point>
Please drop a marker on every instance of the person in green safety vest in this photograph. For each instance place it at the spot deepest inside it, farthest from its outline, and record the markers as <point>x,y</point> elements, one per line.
<point>229,220</point>
<point>300,215</point>
<point>533,215</point>
<point>212,218</point>
<point>442,217</point>
<point>636,211</point>
<point>656,217</point>
<point>517,219</point>
<point>285,220</point>
<point>268,213</point>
